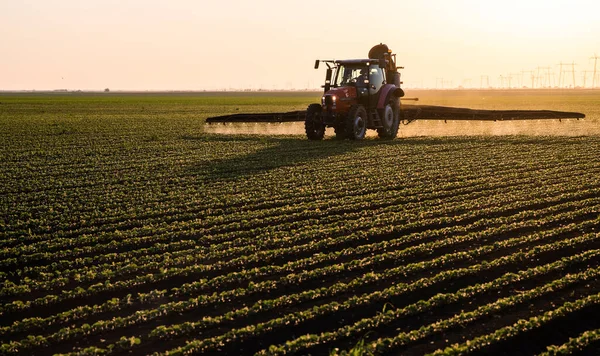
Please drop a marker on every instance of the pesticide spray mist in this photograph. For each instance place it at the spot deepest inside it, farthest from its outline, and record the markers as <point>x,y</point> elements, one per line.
<point>256,128</point>
<point>566,127</point>
<point>570,127</point>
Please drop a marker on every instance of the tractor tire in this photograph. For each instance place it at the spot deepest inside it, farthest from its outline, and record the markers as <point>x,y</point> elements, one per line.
<point>313,124</point>
<point>356,123</point>
<point>390,120</point>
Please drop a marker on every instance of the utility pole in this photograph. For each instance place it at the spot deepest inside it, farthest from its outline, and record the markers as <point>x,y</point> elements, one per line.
<point>436,82</point>
<point>541,84</point>
<point>532,77</point>
<point>501,81</point>
<point>584,76</point>
<point>487,79</point>
<point>509,78</point>
<point>517,76</point>
<point>573,64</point>
<point>572,71</point>
<point>560,72</point>
<point>539,80</point>
<point>520,74</point>
<point>595,58</point>
<point>545,76</point>
<point>551,77</point>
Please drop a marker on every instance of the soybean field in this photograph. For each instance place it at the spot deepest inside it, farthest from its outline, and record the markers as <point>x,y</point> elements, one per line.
<point>128,227</point>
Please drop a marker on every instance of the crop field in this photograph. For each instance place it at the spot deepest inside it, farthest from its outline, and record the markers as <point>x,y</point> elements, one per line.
<point>127,227</point>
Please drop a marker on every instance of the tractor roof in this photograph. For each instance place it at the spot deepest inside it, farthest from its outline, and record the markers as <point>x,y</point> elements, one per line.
<point>357,61</point>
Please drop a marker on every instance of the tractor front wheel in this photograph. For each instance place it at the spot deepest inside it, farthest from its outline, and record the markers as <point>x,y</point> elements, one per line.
<point>356,123</point>
<point>313,124</point>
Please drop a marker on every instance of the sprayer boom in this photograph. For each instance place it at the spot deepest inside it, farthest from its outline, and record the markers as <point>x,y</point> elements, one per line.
<point>415,112</point>
<point>365,93</point>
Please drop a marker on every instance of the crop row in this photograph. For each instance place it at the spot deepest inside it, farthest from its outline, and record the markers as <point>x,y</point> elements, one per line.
<point>186,306</point>
<point>574,344</point>
<point>293,196</point>
<point>288,205</point>
<point>463,319</point>
<point>290,279</point>
<point>252,232</point>
<point>364,325</point>
<point>519,327</point>
<point>487,172</point>
<point>149,262</point>
<point>266,257</point>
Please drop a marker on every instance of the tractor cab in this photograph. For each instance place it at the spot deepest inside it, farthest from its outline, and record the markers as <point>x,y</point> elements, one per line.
<point>350,82</point>
<point>367,77</point>
<point>357,73</point>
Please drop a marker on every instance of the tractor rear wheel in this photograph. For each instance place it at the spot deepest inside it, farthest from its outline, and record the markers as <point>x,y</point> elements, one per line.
<point>390,120</point>
<point>313,124</point>
<point>356,123</point>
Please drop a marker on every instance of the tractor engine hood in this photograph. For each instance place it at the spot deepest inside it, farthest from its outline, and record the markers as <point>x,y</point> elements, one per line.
<point>339,99</point>
<point>343,92</point>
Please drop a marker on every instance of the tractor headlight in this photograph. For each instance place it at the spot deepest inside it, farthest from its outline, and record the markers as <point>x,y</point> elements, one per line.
<point>330,99</point>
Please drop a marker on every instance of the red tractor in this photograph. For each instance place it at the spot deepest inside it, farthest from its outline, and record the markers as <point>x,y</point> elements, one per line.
<point>359,94</point>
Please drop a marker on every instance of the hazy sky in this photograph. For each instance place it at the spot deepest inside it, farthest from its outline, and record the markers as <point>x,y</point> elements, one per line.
<point>214,44</point>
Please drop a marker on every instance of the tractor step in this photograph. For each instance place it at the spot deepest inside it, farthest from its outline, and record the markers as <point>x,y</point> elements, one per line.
<point>376,120</point>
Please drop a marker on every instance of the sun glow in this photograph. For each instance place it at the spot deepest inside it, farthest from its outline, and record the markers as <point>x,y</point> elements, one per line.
<point>529,19</point>
<point>142,45</point>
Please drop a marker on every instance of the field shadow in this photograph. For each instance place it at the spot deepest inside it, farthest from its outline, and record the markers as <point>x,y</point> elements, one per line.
<point>288,151</point>
<point>274,152</point>
<point>281,151</point>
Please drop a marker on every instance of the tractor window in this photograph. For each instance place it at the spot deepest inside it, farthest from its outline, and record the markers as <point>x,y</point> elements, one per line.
<point>347,75</point>
<point>376,76</point>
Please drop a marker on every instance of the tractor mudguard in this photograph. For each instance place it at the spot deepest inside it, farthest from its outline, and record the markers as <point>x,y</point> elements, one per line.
<point>384,94</point>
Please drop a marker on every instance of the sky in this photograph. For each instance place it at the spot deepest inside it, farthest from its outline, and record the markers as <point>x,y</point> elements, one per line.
<point>272,44</point>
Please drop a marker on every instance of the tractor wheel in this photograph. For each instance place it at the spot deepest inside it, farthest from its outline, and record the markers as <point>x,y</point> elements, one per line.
<point>356,123</point>
<point>313,124</point>
<point>390,120</point>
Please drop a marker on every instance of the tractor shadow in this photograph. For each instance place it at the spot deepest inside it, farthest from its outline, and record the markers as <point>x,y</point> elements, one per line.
<point>270,153</point>
<point>251,155</point>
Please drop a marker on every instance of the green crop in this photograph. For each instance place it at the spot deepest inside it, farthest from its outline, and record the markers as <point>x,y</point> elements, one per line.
<point>128,226</point>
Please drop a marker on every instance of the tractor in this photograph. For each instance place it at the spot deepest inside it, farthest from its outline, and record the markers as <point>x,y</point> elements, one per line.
<point>359,94</point>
